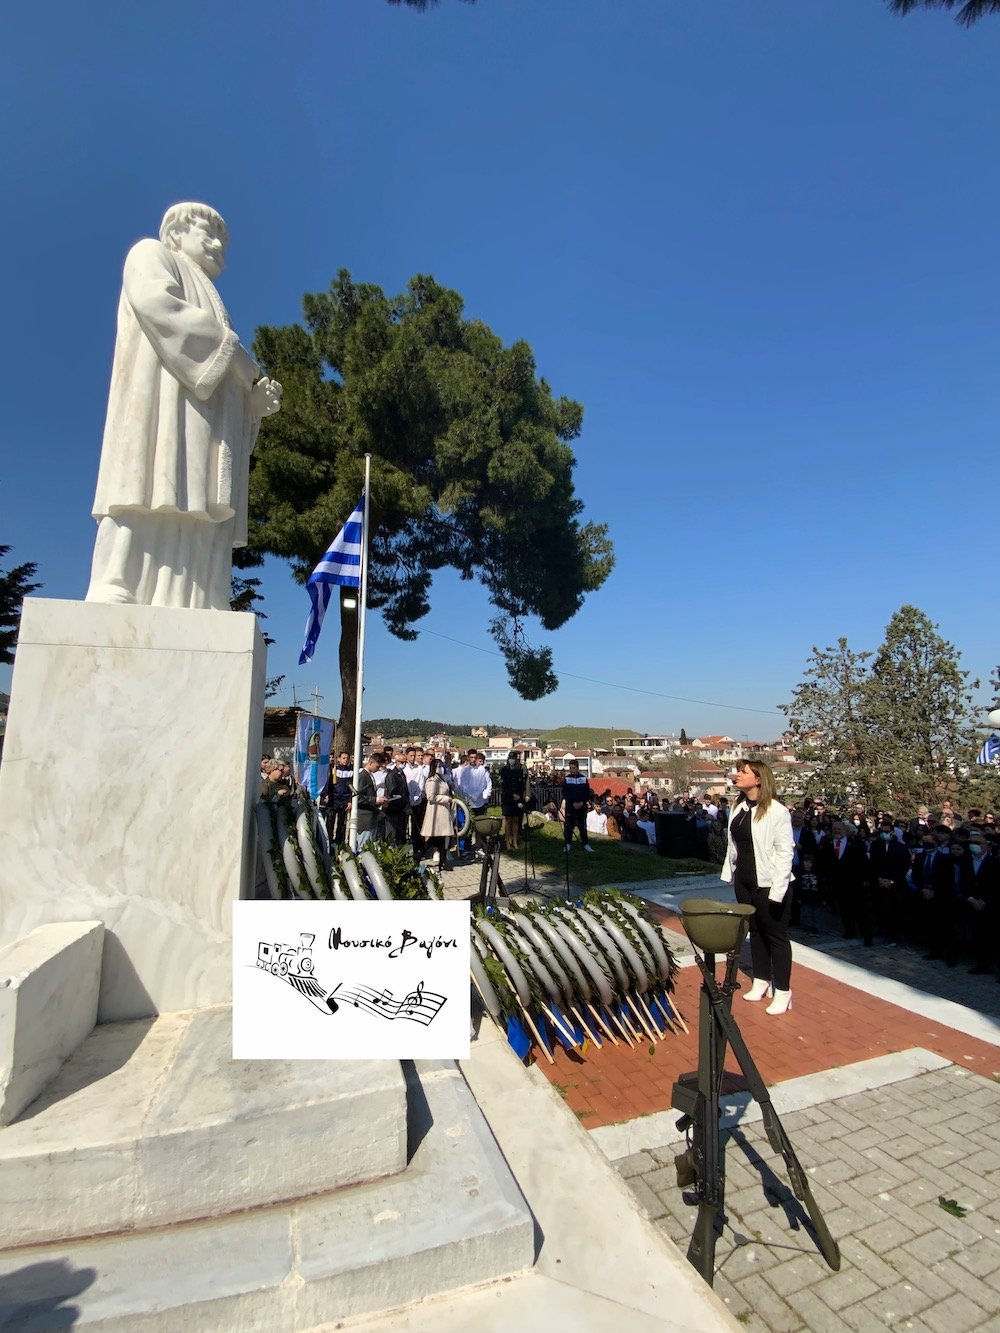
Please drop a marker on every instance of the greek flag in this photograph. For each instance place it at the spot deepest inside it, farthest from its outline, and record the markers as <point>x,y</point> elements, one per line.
<point>341,566</point>
<point>990,751</point>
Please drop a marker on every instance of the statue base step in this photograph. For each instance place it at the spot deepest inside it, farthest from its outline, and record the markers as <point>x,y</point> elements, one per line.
<point>214,1138</point>
<point>152,1122</point>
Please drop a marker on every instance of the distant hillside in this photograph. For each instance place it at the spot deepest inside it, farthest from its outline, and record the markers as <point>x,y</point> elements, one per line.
<point>585,738</point>
<point>581,738</point>
<point>422,726</point>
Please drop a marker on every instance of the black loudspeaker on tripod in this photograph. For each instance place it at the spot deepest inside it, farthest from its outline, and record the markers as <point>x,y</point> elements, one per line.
<point>714,928</point>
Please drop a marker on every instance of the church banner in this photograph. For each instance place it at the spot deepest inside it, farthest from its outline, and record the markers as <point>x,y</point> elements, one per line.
<point>313,738</point>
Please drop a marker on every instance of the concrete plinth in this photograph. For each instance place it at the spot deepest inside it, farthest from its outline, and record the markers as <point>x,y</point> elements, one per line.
<point>151,1123</point>
<point>454,1216</point>
<point>49,984</point>
<point>130,765</point>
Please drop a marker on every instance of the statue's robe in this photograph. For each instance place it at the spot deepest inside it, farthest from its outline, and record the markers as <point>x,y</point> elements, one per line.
<point>179,430</point>
<point>172,484</point>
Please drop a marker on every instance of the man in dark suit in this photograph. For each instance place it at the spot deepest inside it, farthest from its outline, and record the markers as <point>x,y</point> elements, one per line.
<point>947,884</point>
<point>845,873</point>
<point>982,906</point>
<point>803,845</point>
<point>890,862</point>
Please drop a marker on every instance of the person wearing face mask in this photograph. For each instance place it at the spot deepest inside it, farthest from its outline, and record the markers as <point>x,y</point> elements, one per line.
<point>513,799</point>
<point>982,903</point>
<point>758,864</point>
<point>890,862</point>
<point>950,876</point>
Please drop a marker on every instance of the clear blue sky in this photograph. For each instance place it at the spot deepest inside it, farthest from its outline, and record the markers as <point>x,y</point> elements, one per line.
<point>755,238</point>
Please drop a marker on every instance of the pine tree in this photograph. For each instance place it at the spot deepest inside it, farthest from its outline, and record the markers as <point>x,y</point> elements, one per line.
<point>472,467</point>
<point>15,585</point>
<point>828,722</point>
<point>920,714</point>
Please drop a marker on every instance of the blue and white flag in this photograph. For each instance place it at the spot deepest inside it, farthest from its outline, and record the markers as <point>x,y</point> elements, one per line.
<point>990,751</point>
<point>340,567</point>
<point>313,738</point>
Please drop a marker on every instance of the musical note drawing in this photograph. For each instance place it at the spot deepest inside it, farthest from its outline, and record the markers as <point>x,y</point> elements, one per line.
<point>418,1006</point>
<point>294,965</point>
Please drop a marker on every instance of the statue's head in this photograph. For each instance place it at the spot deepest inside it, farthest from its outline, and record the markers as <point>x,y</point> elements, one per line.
<point>199,232</point>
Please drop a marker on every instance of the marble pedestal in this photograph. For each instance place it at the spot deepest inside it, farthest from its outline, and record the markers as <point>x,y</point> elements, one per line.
<point>130,768</point>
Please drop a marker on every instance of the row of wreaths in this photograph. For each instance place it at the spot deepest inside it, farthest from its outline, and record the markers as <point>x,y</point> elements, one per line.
<point>577,973</point>
<point>581,974</point>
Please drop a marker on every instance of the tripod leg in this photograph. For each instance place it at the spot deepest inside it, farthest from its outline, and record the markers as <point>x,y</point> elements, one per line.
<point>709,1159</point>
<point>773,1127</point>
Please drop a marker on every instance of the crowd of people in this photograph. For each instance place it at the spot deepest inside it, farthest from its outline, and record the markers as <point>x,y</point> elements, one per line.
<point>930,878</point>
<point>408,795</point>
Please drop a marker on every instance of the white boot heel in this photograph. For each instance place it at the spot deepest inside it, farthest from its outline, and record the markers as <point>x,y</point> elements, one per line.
<point>782,1001</point>
<point>758,990</point>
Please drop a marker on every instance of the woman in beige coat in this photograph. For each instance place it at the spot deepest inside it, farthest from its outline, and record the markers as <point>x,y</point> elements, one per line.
<point>438,827</point>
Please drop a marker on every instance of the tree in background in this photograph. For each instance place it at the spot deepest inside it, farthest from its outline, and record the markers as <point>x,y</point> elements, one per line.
<point>15,585</point>
<point>969,11</point>
<point>826,718</point>
<point>683,738</point>
<point>894,728</point>
<point>472,467</point>
<point>244,594</point>
<point>919,710</point>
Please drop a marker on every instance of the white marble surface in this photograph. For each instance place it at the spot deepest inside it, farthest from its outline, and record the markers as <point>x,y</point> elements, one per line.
<point>184,408</point>
<point>49,983</point>
<point>151,1123</point>
<point>130,766</point>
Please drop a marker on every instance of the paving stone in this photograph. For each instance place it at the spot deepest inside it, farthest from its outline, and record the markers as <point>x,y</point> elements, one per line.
<point>894,1303</point>
<point>863,1211</point>
<point>870,1262</point>
<point>843,1289</point>
<point>663,1180</point>
<point>649,1200</point>
<point>776,1315</point>
<point>885,1236</point>
<point>982,1258</point>
<point>816,1316</point>
<point>636,1165</point>
<point>958,1313</point>
<point>797,1274</point>
<point>930,1280</point>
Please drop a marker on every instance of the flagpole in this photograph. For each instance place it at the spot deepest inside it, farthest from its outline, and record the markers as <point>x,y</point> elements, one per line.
<point>352,830</point>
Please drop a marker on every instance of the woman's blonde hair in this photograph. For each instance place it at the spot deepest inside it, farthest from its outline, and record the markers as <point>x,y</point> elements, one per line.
<point>765,781</point>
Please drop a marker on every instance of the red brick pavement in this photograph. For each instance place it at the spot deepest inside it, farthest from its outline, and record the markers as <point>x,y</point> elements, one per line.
<point>830,1024</point>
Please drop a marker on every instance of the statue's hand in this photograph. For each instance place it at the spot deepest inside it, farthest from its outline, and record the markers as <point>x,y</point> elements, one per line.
<point>265,397</point>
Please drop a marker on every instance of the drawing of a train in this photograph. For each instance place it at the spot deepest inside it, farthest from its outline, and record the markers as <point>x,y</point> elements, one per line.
<point>282,959</point>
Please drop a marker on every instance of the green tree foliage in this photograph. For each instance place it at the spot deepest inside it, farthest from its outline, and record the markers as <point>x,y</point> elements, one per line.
<point>969,11</point>
<point>472,467</point>
<point>15,585</point>
<point>920,712</point>
<point>244,594</point>
<point>893,728</point>
<point>826,718</point>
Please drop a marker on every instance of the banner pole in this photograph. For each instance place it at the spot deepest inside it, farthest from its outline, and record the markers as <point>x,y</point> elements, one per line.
<point>352,832</point>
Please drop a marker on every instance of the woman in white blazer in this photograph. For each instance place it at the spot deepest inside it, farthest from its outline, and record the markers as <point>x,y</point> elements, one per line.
<point>758,864</point>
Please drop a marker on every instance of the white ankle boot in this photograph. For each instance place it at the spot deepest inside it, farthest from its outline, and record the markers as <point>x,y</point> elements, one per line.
<point>782,1001</point>
<point>758,990</point>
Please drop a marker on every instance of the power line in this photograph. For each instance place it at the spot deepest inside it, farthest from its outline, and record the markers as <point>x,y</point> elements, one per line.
<point>612,685</point>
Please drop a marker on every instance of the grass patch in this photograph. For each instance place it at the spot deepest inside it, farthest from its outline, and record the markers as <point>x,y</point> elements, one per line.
<point>613,862</point>
<point>582,1115</point>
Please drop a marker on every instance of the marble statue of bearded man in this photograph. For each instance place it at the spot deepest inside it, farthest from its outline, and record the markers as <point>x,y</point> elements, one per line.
<point>184,409</point>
